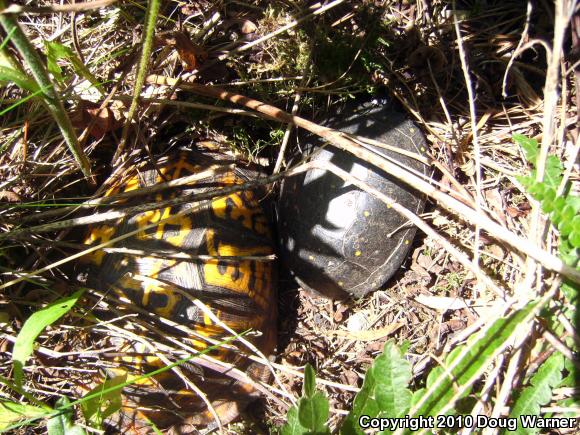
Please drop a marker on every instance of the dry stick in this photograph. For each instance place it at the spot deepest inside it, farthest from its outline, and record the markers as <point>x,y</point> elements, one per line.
<point>517,51</point>
<point>336,138</point>
<point>512,371</point>
<point>212,170</point>
<point>180,255</point>
<point>415,220</point>
<point>124,212</point>
<point>483,396</point>
<point>202,360</point>
<point>177,370</point>
<point>289,127</point>
<point>55,8</point>
<point>208,107</point>
<point>116,215</point>
<point>473,119</point>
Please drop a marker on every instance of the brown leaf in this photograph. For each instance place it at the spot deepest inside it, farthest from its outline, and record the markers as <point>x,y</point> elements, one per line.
<point>349,377</point>
<point>495,202</point>
<point>100,122</point>
<point>191,55</point>
<point>426,56</point>
<point>339,313</point>
<point>369,335</point>
<point>9,196</point>
<point>248,27</point>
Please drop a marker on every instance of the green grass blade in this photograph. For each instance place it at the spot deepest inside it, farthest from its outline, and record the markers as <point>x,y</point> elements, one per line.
<point>32,328</point>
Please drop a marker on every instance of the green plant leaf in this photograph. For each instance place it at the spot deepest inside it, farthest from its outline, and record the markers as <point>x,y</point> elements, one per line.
<point>575,238</point>
<point>20,79</point>
<point>530,147</point>
<point>97,408</point>
<point>553,172</point>
<point>539,392</point>
<point>384,390</point>
<point>309,415</point>
<point>61,423</point>
<point>32,328</point>
<point>393,374</point>
<point>12,413</point>
<point>309,386</point>
<point>313,412</point>
<point>56,51</point>
<point>293,426</point>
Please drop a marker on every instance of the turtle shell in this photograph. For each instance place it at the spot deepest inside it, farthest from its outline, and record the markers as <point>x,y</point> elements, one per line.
<point>227,266</point>
<point>337,240</point>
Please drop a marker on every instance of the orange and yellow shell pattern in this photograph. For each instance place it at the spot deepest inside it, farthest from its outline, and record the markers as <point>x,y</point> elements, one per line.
<point>217,236</point>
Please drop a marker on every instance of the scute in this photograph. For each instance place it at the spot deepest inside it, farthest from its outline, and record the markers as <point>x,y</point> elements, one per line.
<point>240,292</point>
<point>337,240</point>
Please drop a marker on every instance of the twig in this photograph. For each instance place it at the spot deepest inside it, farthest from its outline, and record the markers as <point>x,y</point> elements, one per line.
<point>183,181</point>
<point>473,119</point>
<point>517,51</point>
<point>55,8</point>
<point>547,259</point>
<point>415,220</point>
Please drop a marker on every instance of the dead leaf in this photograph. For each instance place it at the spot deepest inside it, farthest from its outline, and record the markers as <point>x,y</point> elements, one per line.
<point>442,303</point>
<point>9,196</point>
<point>496,250</point>
<point>339,313</point>
<point>426,56</point>
<point>248,27</point>
<point>495,201</point>
<point>191,55</point>
<point>100,122</point>
<point>349,377</point>
<point>371,335</point>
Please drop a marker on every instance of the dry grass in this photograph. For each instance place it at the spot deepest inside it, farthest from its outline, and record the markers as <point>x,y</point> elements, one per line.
<point>412,49</point>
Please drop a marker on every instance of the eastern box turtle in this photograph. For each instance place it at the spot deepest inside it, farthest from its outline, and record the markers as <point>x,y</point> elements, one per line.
<point>337,240</point>
<point>227,266</point>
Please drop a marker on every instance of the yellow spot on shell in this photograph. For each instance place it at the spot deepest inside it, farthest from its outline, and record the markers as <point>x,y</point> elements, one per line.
<point>310,257</point>
<point>422,149</point>
<point>357,253</point>
<point>340,283</point>
<point>366,213</point>
<point>407,242</point>
<point>411,130</point>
